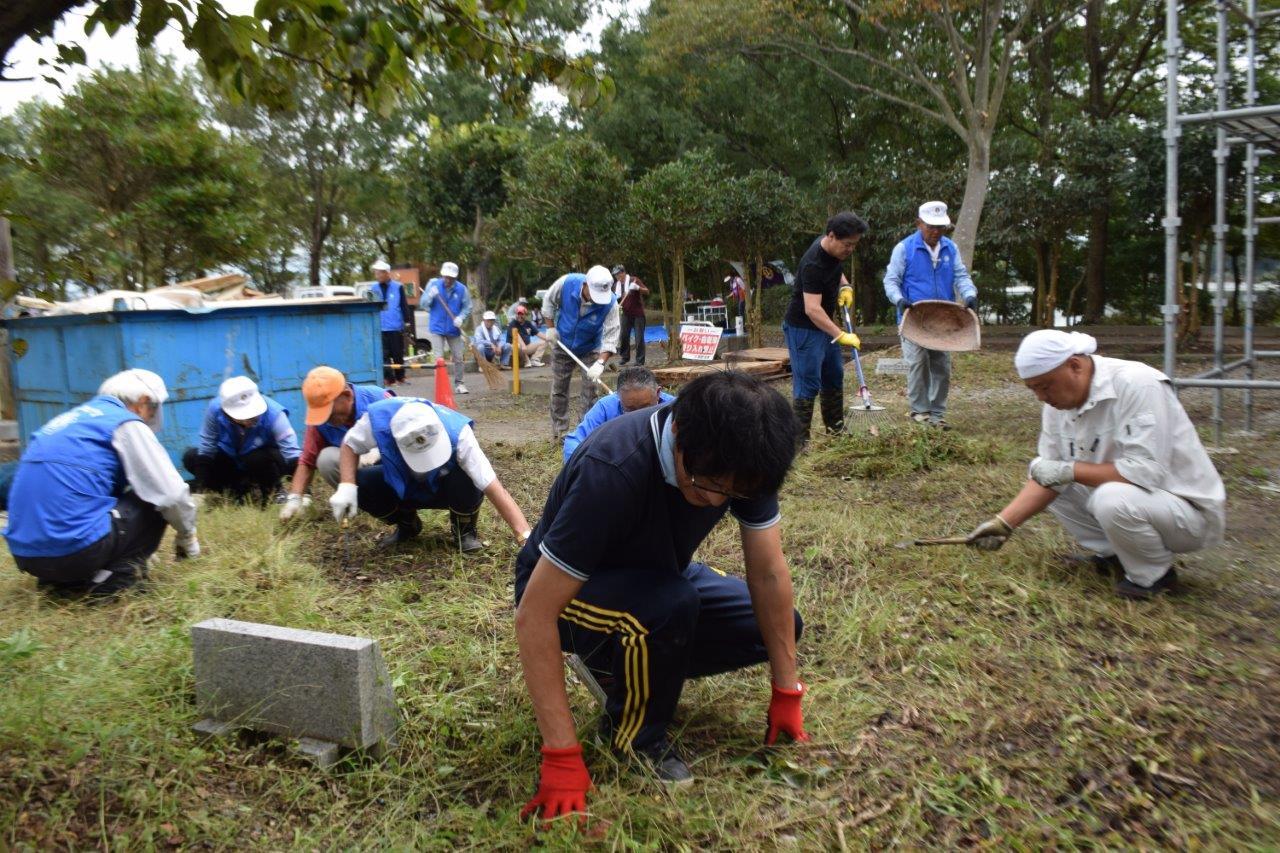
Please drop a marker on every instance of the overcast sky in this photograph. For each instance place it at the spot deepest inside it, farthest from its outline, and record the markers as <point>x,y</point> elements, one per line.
<point>122,51</point>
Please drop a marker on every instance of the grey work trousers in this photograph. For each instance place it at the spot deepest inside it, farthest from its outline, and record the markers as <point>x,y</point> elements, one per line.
<point>562,369</point>
<point>928,379</point>
<point>454,343</point>
<point>1144,529</point>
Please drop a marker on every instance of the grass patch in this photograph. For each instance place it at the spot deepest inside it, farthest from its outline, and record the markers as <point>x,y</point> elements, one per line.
<point>957,698</point>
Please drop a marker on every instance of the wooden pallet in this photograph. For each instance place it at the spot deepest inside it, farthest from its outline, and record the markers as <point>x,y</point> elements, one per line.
<point>680,374</point>
<point>761,354</point>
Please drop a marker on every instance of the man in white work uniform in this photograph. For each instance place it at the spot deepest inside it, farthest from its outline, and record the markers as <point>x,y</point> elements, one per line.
<point>1120,464</point>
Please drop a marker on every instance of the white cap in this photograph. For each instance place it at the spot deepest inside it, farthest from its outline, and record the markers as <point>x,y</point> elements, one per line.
<point>420,436</point>
<point>489,315</point>
<point>449,268</point>
<point>934,213</point>
<point>240,399</point>
<point>600,285</point>
<point>381,266</point>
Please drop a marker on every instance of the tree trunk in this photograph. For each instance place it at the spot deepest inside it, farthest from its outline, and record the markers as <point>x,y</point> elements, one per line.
<point>1096,262</point>
<point>1042,275</point>
<point>1051,296</point>
<point>663,297</point>
<point>756,309</point>
<point>975,196</point>
<point>677,304</point>
<point>480,282</point>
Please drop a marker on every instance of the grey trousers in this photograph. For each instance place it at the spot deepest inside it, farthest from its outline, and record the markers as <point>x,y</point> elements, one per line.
<point>1144,529</point>
<point>454,343</point>
<point>327,464</point>
<point>562,370</point>
<point>928,378</point>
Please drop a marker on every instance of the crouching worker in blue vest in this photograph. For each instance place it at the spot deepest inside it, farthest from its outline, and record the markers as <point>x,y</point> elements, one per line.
<point>428,459</point>
<point>94,490</point>
<point>608,574</point>
<point>247,444</point>
<point>637,389</point>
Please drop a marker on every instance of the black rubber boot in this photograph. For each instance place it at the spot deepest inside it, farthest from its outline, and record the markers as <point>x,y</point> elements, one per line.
<point>832,404</point>
<point>804,415</point>
<point>408,526</point>
<point>463,525</point>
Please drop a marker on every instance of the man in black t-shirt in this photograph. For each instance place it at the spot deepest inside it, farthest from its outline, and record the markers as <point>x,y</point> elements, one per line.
<point>607,575</point>
<point>813,339</point>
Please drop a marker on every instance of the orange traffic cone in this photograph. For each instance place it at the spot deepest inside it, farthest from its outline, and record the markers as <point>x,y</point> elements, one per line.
<point>444,388</point>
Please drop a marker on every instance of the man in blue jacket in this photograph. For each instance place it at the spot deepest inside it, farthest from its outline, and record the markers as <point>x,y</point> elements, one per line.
<point>429,459</point>
<point>448,304</point>
<point>396,316</point>
<point>94,490</point>
<point>637,389</point>
<point>583,313</point>
<point>927,265</point>
<point>246,443</point>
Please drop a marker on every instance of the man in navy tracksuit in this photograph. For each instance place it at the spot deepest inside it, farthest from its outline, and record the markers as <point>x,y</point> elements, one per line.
<point>396,316</point>
<point>813,339</point>
<point>246,443</point>
<point>608,575</point>
<point>927,265</point>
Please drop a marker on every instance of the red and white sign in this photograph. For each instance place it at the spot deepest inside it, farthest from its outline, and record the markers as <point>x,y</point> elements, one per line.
<point>699,343</point>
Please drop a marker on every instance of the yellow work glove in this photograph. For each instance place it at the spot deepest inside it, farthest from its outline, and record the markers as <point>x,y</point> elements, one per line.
<point>845,299</point>
<point>849,339</point>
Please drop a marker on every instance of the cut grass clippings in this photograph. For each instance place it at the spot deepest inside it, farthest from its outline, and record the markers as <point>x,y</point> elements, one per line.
<point>955,698</point>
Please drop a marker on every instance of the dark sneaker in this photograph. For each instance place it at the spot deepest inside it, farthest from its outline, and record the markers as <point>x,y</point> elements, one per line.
<point>1168,582</point>
<point>666,763</point>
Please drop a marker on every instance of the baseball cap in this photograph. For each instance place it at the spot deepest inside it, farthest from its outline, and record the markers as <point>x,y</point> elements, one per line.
<point>600,285</point>
<point>321,387</point>
<point>240,399</point>
<point>934,213</point>
<point>449,268</point>
<point>420,436</point>
<point>381,266</point>
<point>521,310</point>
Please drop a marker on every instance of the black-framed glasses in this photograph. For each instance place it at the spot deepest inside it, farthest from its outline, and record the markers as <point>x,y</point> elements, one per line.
<point>693,481</point>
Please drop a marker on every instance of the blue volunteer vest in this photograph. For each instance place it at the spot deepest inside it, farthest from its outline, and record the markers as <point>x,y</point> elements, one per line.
<point>581,334</point>
<point>920,280</point>
<point>392,318</point>
<point>68,482</point>
<point>256,437</point>
<point>365,396</point>
<point>440,321</point>
<point>394,470</point>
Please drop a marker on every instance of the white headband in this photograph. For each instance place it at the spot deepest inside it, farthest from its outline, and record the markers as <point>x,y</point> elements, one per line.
<point>1047,349</point>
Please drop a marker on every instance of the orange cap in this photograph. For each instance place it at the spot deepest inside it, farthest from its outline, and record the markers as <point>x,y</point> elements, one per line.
<point>321,387</point>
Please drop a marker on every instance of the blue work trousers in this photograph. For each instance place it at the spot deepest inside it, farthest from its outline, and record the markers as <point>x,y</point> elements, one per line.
<point>643,633</point>
<point>816,363</point>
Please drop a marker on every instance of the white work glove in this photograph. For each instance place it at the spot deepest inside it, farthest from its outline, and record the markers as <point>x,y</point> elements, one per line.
<point>1052,472</point>
<point>551,336</point>
<point>343,503</point>
<point>595,371</point>
<point>186,545</point>
<point>457,321</point>
<point>373,457</point>
<point>292,506</point>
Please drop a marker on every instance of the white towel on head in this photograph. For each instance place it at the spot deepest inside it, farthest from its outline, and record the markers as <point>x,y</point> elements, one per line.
<point>1046,349</point>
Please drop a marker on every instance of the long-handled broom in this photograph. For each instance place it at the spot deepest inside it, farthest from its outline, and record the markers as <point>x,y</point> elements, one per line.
<point>866,408</point>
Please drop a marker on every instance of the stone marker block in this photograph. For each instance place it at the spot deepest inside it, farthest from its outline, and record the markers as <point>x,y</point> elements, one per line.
<point>302,684</point>
<point>892,366</point>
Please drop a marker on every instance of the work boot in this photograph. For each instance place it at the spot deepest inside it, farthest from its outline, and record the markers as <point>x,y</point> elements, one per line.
<point>832,405</point>
<point>1168,582</point>
<point>804,417</point>
<point>463,525</point>
<point>408,526</point>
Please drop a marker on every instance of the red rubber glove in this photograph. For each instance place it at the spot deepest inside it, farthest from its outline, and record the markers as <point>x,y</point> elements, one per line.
<point>785,716</point>
<point>562,784</point>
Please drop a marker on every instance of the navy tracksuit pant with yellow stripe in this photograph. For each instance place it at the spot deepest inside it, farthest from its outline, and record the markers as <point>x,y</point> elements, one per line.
<point>643,633</point>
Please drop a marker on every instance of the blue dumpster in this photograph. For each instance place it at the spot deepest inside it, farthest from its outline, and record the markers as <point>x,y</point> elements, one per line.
<point>59,362</point>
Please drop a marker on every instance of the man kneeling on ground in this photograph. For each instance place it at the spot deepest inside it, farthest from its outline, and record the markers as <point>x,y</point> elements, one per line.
<point>637,389</point>
<point>94,489</point>
<point>608,576</point>
<point>1120,465</point>
<point>247,444</point>
<point>430,459</point>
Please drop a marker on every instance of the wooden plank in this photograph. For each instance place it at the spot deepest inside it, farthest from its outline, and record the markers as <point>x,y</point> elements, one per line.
<point>760,354</point>
<point>684,373</point>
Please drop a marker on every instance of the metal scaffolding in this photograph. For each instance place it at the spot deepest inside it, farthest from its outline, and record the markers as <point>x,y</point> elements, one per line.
<point>1257,128</point>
